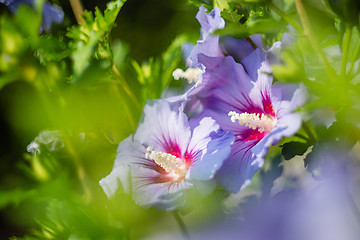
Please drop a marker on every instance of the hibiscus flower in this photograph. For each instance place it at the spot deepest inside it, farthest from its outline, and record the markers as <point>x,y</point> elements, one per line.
<point>167,157</point>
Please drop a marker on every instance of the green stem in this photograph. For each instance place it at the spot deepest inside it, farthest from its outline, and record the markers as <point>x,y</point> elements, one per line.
<point>119,95</point>
<point>251,42</point>
<point>285,17</point>
<point>77,10</point>
<point>181,224</point>
<point>126,88</point>
<point>345,49</point>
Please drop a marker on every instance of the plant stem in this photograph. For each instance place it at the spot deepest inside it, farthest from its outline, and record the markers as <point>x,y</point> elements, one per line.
<point>251,42</point>
<point>345,50</point>
<point>129,115</point>
<point>77,10</point>
<point>181,224</point>
<point>126,88</point>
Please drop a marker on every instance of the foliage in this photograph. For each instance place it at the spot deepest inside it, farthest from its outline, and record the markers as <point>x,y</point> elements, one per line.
<point>69,97</point>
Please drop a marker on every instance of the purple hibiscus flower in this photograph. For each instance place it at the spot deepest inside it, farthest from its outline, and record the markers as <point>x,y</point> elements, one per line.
<point>257,112</point>
<point>168,155</point>
<point>209,43</point>
<point>212,46</point>
<point>241,98</point>
<point>50,13</point>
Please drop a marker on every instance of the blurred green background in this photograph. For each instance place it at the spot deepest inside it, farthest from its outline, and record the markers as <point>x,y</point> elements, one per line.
<point>69,97</point>
<point>94,121</point>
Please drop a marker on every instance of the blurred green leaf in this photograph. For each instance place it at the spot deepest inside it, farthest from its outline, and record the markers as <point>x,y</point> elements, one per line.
<point>156,74</point>
<point>222,4</point>
<point>52,49</point>
<point>250,1</point>
<point>348,10</point>
<point>291,70</point>
<point>18,38</point>
<point>14,196</point>
<point>198,3</point>
<point>265,25</point>
<point>120,51</point>
<point>28,22</point>
<point>232,16</point>
<point>291,149</point>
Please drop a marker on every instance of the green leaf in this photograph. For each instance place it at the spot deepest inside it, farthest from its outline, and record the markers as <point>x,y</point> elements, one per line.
<point>222,4</point>
<point>28,22</point>
<point>120,51</point>
<point>156,74</point>
<point>171,58</point>
<point>83,52</point>
<point>251,1</point>
<point>52,49</point>
<point>96,73</point>
<point>8,78</point>
<point>291,149</point>
<point>14,196</point>
<point>232,16</point>
<point>92,36</point>
<point>291,70</point>
<point>140,76</point>
<point>198,3</point>
<point>265,25</point>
